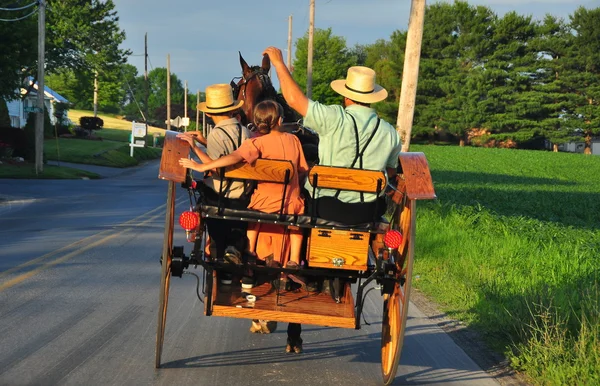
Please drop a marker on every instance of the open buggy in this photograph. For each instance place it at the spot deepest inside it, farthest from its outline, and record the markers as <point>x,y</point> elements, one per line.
<point>381,251</point>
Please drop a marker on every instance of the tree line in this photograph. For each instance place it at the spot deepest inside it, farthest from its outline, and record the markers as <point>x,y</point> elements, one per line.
<point>502,81</point>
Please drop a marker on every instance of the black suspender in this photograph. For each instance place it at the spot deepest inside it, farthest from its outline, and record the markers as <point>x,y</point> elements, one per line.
<point>231,139</point>
<point>359,153</point>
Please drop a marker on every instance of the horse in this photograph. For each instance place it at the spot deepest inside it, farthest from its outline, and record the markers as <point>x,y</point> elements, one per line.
<point>255,86</point>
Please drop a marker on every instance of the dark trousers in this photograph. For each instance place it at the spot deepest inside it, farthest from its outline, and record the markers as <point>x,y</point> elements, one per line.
<point>294,330</point>
<point>224,233</point>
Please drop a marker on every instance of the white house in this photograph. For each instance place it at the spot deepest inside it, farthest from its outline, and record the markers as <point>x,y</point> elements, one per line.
<point>19,109</point>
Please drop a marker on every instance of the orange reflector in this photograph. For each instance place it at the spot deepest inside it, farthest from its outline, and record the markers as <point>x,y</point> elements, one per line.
<point>393,239</point>
<point>189,220</point>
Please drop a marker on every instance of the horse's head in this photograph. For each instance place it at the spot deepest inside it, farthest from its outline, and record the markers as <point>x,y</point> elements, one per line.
<point>254,86</point>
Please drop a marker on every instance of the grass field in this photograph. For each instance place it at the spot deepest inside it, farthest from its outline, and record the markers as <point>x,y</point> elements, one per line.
<point>511,247</point>
<point>114,129</point>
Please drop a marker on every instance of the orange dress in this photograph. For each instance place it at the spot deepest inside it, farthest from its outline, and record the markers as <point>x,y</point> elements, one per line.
<point>272,239</point>
<point>277,146</point>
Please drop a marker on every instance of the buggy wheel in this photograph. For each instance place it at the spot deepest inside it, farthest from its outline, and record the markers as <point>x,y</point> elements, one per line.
<point>165,279</point>
<point>395,306</point>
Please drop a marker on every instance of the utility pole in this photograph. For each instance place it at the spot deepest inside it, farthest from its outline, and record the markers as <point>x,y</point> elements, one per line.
<point>95,93</point>
<point>289,44</point>
<point>410,74</point>
<point>39,121</point>
<point>311,32</point>
<point>168,92</point>
<point>197,111</point>
<point>146,77</point>
<point>185,102</point>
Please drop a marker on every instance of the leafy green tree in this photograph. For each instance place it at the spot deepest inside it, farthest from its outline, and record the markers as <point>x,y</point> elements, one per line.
<point>586,50</point>
<point>331,59</point>
<point>552,97</point>
<point>18,44</point>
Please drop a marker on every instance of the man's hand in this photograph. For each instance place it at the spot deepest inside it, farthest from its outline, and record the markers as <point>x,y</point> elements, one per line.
<point>275,55</point>
<point>190,136</point>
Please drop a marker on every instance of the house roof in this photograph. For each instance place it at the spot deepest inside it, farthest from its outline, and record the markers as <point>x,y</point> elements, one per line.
<point>49,92</point>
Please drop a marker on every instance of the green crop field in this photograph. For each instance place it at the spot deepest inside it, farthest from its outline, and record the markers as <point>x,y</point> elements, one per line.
<point>512,247</point>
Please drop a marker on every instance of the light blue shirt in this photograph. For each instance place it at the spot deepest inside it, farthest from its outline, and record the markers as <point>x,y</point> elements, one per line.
<point>337,142</point>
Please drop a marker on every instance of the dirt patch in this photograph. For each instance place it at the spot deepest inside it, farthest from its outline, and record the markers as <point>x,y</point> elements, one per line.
<point>470,342</point>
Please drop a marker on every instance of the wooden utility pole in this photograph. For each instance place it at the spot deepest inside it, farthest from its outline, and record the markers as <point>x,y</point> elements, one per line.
<point>197,111</point>
<point>39,119</point>
<point>146,77</point>
<point>289,44</point>
<point>410,73</point>
<point>95,93</point>
<point>185,102</point>
<point>311,32</point>
<point>168,92</point>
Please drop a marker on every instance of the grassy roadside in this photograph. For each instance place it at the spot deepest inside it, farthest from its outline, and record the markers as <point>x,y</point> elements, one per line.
<point>27,171</point>
<point>511,247</point>
<point>113,151</point>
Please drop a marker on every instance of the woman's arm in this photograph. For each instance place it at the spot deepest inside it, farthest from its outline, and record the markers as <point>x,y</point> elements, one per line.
<point>228,160</point>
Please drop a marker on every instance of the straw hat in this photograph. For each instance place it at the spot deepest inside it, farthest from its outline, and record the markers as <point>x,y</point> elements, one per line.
<point>360,86</point>
<point>219,99</point>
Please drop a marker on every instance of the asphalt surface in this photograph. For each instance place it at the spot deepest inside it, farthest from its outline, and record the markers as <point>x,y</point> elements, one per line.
<point>79,282</point>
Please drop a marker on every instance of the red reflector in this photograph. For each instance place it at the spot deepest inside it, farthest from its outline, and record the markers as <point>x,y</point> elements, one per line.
<point>189,220</point>
<point>393,239</point>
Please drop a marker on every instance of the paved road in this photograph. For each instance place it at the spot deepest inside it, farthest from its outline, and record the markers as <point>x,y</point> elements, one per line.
<point>79,281</point>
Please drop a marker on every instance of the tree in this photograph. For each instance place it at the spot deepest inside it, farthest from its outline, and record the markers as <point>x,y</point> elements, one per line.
<point>331,60</point>
<point>586,51</point>
<point>19,49</point>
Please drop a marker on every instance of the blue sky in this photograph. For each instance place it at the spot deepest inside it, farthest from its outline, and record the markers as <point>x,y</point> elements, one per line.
<point>203,37</point>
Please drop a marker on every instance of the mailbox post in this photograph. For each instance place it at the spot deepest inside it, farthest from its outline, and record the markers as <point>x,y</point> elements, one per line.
<point>138,136</point>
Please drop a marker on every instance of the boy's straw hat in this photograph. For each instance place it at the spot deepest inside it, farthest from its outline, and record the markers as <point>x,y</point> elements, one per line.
<point>219,99</point>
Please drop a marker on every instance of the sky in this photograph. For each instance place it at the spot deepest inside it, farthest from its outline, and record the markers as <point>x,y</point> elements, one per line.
<point>203,37</point>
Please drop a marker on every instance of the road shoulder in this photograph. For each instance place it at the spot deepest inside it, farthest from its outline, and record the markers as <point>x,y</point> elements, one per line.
<point>469,341</point>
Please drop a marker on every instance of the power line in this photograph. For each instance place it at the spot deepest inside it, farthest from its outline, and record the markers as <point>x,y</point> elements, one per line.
<point>133,95</point>
<point>20,18</point>
<point>19,8</point>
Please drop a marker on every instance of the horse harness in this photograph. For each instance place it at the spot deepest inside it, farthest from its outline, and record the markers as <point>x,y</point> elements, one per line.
<point>237,88</point>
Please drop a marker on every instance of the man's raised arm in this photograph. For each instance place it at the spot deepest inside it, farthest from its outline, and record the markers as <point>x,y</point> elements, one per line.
<point>292,93</point>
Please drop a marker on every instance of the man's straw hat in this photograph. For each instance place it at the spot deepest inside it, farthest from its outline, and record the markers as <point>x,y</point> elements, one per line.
<point>360,86</point>
<point>219,99</point>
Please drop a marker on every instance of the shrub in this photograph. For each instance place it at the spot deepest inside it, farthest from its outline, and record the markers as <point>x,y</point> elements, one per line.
<point>4,117</point>
<point>91,123</point>
<point>14,138</point>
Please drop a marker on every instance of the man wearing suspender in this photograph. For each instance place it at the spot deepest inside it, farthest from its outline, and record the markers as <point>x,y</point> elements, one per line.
<point>352,136</point>
<point>227,135</point>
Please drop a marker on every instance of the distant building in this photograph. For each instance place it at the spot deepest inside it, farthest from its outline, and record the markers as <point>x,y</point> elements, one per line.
<point>19,109</point>
<point>579,147</point>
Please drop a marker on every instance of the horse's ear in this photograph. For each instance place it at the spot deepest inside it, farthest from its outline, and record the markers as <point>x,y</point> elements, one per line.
<point>266,63</point>
<point>245,67</point>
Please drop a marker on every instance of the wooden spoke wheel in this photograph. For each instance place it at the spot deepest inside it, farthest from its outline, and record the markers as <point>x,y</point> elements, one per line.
<point>395,306</point>
<point>165,279</point>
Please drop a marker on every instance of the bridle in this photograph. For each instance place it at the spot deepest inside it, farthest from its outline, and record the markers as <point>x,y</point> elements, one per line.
<point>238,87</point>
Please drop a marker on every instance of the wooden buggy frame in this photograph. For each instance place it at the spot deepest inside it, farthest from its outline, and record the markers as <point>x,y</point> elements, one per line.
<point>343,257</point>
